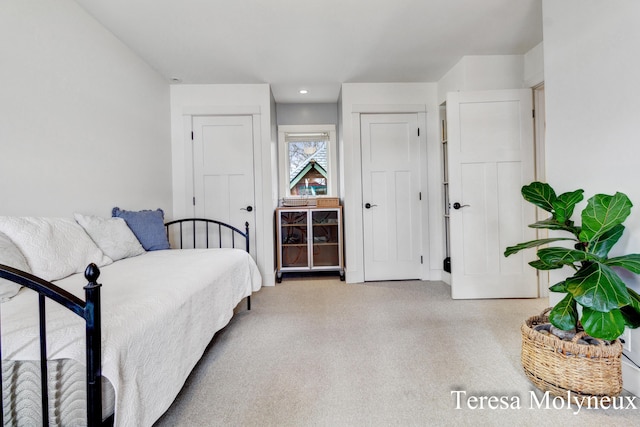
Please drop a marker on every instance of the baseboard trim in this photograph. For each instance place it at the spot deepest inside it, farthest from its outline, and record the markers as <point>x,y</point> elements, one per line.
<point>630,378</point>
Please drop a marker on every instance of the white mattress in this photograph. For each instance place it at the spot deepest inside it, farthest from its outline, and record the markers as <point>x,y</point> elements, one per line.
<point>21,396</point>
<point>159,312</point>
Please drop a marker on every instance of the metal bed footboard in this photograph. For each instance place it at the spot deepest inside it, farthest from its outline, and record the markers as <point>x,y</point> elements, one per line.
<point>89,310</point>
<point>208,233</point>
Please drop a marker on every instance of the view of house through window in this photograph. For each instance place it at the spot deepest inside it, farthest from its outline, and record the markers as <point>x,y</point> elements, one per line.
<point>308,164</point>
<point>307,161</point>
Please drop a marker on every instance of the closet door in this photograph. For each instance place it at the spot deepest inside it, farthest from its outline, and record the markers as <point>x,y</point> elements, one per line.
<point>391,196</point>
<point>223,170</point>
<point>490,158</point>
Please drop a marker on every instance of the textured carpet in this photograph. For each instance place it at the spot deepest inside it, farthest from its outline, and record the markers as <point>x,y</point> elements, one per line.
<point>320,352</point>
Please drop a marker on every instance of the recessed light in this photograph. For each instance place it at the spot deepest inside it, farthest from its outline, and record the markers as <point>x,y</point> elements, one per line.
<point>303,91</point>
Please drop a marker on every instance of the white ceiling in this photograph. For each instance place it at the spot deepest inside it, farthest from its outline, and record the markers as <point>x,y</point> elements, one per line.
<point>316,44</point>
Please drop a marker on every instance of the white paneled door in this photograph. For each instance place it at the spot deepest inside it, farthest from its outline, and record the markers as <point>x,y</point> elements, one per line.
<point>391,196</point>
<point>223,170</point>
<point>491,156</point>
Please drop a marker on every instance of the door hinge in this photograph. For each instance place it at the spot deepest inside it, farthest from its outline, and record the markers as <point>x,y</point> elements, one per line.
<point>194,201</point>
<point>418,131</point>
<point>192,135</point>
<point>533,113</point>
<point>420,195</point>
<point>421,260</point>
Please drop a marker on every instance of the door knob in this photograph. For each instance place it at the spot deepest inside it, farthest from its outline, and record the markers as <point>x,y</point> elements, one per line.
<point>457,205</point>
<point>248,208</point>
<point>369,205</point>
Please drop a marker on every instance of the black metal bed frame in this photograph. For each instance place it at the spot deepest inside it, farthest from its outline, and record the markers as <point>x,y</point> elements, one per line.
<point>219,224</point>
<point>89,310</point>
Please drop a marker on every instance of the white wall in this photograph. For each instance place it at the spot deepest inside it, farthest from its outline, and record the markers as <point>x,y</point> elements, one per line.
<point>486,72</point>
<point>307,114</point>
<point>241,99</point>
<point>534,66</point>
<point>593,103</point>
<point>389,97</point>
<point>311,114</point>
<point>84,122</point>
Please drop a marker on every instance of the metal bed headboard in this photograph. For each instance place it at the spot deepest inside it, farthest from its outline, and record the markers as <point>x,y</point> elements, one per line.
<point>209,224</point>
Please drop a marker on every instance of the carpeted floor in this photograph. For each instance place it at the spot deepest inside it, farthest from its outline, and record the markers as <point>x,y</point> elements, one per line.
<point>320,352</point>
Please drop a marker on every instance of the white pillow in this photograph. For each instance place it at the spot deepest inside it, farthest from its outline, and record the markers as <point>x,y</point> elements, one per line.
<point>54,247</point>
<point>112,235</point>
<point>10,255</point>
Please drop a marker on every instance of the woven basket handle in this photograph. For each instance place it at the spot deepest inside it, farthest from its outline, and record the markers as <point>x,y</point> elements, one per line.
<point>582,334</point>
<point>546,311</point>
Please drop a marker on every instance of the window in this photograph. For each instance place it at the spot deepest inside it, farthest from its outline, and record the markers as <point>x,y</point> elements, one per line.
<point>307,161</point>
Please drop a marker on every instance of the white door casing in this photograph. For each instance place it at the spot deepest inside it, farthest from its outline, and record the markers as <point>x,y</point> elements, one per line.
<point>491,156</point>
<point>391,189</point>
<point>539,132</point>
<point>223,171</point>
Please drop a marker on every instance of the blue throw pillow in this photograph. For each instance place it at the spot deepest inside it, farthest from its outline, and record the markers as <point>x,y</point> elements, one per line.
<point>147,225</point>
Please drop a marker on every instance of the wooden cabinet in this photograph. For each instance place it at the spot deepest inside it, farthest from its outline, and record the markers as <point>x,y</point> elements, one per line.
<point>309,239</point>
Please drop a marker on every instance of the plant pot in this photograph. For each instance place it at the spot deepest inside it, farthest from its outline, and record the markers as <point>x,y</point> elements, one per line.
<point>570,370</point>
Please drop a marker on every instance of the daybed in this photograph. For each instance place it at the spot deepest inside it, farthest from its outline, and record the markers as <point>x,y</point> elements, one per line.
<point>155,313</point>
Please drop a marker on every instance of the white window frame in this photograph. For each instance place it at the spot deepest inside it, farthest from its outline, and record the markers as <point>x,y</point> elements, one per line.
<point>283,150</point>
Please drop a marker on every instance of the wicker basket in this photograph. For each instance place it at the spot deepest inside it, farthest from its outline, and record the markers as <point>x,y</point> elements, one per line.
<point>568,369</point>
<point>328,202</point>
<point>298,201</point>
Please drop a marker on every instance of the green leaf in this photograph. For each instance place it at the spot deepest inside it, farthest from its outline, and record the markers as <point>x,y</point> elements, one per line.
<point>565,314</point>
<point>559,287</point>
<point>603,212</point>
<point>629,262</point>
<point>598,287</point>
<point>604,244</point>
<point>631,312</point>
<point>563,256</point>
<point>553,224</point>
<point>631,316</point>
<point>532,244</point>
<point>540,194</point>
<point>564,205</point>
<point>541,265</point>
<point>606,326</point>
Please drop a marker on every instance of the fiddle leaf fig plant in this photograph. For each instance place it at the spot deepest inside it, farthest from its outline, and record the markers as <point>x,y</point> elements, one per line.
<point>608,305</point>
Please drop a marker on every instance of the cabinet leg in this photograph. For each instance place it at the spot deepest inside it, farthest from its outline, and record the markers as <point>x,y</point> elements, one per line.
<point>279,277</point>
<point>342,275</point>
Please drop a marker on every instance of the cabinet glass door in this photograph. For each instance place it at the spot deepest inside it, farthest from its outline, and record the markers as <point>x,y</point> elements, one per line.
<point>326,238</point>
<point>293,226</point>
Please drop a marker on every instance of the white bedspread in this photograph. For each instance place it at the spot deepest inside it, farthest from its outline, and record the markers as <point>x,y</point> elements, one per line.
<point>159,312</point>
